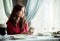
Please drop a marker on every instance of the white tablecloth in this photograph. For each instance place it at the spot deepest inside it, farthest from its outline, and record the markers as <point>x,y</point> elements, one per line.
<point>29,38</point>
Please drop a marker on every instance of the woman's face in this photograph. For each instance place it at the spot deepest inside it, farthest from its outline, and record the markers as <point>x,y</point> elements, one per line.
<point>22,12</point>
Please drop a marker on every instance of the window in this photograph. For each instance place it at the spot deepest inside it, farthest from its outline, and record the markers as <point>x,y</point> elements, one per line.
<point>47,18</point>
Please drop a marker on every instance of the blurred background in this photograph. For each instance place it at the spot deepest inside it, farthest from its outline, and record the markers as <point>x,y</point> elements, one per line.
<point>42,15</point>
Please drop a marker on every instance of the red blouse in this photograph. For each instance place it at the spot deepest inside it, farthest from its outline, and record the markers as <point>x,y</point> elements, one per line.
<point>15,30</point>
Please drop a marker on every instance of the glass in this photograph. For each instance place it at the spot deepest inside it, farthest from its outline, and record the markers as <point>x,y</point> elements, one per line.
<point>2,30</point>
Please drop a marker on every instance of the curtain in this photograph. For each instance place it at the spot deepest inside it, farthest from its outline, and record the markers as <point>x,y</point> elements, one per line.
<point>3,17</point>
<point>8,5</point>
<point>56,15</point>
<point>5,10</point>
<point>32,8</point>
<point>47,19</point>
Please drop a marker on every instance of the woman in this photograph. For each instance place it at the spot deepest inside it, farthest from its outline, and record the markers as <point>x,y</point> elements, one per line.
<point>16,23</point>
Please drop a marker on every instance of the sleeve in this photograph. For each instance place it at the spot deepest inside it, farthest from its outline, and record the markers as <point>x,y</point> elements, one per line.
<point>26,29</point>
<point>9,30</point>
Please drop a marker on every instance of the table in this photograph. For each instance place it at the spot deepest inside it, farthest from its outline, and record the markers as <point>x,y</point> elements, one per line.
<point>32,38</point>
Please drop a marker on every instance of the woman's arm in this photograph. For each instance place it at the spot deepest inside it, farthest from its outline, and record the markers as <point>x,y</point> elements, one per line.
<point>26,29</point>
<point>9,30</point>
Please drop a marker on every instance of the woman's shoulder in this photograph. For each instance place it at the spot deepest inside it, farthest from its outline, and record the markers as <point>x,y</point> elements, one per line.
<point>8,22</point>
